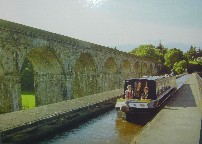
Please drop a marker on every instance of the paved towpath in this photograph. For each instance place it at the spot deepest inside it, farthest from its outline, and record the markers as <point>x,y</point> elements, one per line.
<point>180,121</point>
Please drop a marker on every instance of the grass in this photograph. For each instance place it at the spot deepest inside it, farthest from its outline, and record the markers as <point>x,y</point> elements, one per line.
<point>28,100</point>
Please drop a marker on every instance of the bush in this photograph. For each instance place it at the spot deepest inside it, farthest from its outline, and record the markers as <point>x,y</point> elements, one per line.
<point>180,66</point>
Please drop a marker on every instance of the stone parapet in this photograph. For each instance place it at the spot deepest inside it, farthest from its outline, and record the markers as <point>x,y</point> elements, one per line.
<point>36,122</point>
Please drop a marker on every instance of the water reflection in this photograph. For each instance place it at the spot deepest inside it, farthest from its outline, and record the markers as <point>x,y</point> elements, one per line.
<point>106,128</point>
<point>126,130</point>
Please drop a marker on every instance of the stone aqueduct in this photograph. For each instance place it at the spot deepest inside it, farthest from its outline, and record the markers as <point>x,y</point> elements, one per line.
<point>64,68</point>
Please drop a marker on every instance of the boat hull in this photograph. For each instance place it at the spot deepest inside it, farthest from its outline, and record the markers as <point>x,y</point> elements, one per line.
<point>130,110</point>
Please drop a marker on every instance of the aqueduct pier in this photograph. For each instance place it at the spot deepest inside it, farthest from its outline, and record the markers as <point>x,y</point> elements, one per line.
<point>63,68</point>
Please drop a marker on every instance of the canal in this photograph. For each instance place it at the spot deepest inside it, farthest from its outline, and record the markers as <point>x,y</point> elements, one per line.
<point>106,128</point>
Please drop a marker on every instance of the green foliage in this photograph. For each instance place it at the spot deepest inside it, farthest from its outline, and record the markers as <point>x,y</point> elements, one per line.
<point>200,63</point>
<point>172,56</point>
<point>172,59</point>
<point>193,53</point>
<point>148,51</point>
<point>180,66</point>
<point>193,62</point>
<point>194,56</point>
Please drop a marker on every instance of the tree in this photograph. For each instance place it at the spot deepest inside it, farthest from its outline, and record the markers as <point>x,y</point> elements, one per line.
<point>172,56</point>
<point>180,66</point>
<point>161,48</point>
<point>148,51</point>
<point>191,54</point>
<point>199,53</point>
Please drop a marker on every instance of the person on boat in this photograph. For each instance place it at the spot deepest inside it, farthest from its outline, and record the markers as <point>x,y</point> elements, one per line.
<point>129,92</point>
<point>138,91</point>
<point>145,94</point>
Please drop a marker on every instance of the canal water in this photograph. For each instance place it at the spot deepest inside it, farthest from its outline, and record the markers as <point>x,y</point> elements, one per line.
<point>106,128</point>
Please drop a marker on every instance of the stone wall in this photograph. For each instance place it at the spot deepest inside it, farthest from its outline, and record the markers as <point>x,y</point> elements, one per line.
<point>63,67</point>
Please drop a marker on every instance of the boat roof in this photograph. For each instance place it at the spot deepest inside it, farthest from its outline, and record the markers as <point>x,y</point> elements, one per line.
<point>148,78</point>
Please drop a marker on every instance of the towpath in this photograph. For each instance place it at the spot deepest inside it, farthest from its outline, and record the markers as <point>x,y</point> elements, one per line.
<point>180,121</point>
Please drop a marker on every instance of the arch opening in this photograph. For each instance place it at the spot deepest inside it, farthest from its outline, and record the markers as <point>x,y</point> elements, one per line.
<point>126,69</point>
<point>85,77</point>
<point>42,77</point>
<point>144,69</point>
<point>111,80</point>
<point>5,99</point>
<point>137,69</point>
<point>27,85</point>
<point>150,71</point>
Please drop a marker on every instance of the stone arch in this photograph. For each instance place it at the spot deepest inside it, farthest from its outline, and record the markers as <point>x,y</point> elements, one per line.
<point>111,66</point>
<point>47,74</point>
<point>144,69</point>
<point>150,71</point>
<point>1,72</point>
<point>85,76</point>
<point>137,66</point>
<point>4,98</point>
<point>111,74</point>
<point>126,69</point>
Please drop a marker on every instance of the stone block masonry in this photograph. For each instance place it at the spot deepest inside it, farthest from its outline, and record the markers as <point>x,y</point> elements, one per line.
<point>63,68</point>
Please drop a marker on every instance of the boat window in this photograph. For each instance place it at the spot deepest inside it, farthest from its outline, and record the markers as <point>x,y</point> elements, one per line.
<point>139,88</point>
<point>160,87</point>
<point>145,93</point>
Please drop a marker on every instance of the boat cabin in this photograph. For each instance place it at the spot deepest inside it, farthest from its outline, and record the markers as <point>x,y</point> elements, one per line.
<point>147,88</point>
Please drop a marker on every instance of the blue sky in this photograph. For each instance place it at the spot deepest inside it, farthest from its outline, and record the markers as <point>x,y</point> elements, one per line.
<point>122,23</point>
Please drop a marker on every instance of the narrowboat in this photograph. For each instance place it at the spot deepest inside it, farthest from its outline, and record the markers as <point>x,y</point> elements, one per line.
<point>145,96</point>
